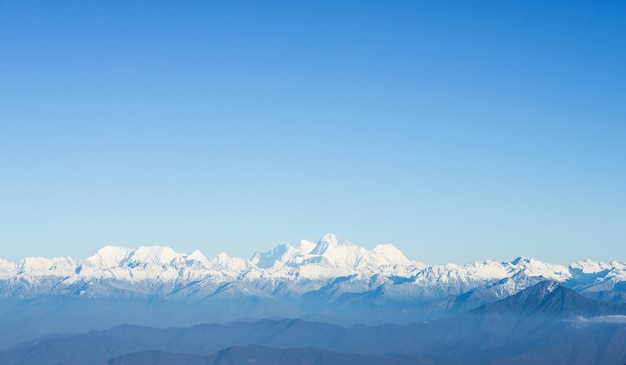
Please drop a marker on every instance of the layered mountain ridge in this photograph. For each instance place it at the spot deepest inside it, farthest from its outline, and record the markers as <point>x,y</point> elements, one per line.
<point>289,270</point>
<point>543,324</point>
<point>333,281</point>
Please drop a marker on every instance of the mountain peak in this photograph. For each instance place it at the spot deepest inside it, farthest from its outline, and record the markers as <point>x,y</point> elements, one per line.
<point>281,253</point>
<point>548,286</point>
<point>197,256</point>
<point>532,267</point>
<point>589,266</point>
<point>329,242</point>
<point>391,254</point>
<point>521,260</point>
<point>330,237</point>
<point>155,254</point>
<point>109,256</point>
<point>231,264</point>
<point>333,240</point>
<point>332,251</point>
<point>315,263</point>
<point>548,299</point>
<point>306,246</point>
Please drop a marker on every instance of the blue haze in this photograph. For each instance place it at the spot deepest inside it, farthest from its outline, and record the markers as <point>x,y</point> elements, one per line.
<point>457,131</point>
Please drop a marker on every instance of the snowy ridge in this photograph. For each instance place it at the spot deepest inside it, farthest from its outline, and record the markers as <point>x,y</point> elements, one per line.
<point>330,267</point>
<point>329,253</point>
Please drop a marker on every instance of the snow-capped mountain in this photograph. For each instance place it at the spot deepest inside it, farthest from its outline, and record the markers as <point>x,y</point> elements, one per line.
<point>332,280</point>
<point>331,267</point>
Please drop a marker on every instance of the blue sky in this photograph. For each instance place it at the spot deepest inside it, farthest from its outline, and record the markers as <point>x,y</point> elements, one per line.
<point>457,131</point>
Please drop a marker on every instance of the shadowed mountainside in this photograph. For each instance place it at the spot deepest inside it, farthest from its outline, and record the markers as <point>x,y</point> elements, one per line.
<point>260,355</point>
<point>544,324</point>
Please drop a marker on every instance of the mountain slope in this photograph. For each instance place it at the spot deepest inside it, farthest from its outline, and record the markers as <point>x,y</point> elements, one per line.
<point>539,325</point>
<point>544,324</point>
<point>332,280</point>
<point>260,355</point>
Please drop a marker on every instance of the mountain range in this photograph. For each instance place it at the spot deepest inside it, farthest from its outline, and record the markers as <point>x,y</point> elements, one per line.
<point>332,281</point>
<point>543,324</point>
<point>332,265</point>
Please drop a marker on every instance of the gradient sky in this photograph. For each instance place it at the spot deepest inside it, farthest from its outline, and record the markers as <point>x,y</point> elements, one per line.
<point>457,131</point>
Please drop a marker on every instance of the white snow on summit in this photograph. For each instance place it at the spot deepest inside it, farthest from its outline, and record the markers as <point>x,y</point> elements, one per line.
<point>109,256</point>
<point>335,252</point>
<point>332,264</point>
<point>7,269</point>
<point>589,266</point>
<point>234,265</point>
<point>532,267</point>
<point>58,266</point>
<point>155,255</point>
<point>279,254</point>
<point>331,257</point>
<point>390,254</point>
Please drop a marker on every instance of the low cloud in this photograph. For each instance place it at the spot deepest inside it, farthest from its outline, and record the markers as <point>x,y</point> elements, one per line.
<point>614,319</point>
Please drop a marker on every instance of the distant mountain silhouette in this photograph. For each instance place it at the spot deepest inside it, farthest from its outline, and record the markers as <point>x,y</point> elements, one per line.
<point>544,324</point>
<point>551,299</point>
<point>260,355</point>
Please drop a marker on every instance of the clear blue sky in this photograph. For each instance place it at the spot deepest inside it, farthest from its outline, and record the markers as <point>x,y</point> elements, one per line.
<point>456,130</point>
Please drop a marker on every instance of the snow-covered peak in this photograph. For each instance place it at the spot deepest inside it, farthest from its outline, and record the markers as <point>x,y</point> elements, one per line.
<point>335,252</point>
<point>335,256</point>
<point>194,260</point>
<point>306,247</point>
<point>487,269</point>
<point>196,256</point>
<point>534,268</point>
<point>330,237</point>
<point>589,266</point>
<point>620,264</point>
<point>307,266</point>
<point>548,287</point>
<point>280,253</point>
<point>159,255</point>
<point>221,258</point>
<point>390,254</point>
<point>331,242</point>
<point>7,269</point>
<point>112,256</point>
<point>226,263</point>
<point>37,266</point>
<point>109,256</point>
<point>6,264</point>
<point>521,260</point>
